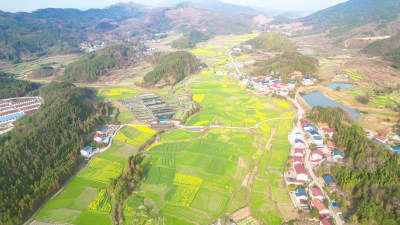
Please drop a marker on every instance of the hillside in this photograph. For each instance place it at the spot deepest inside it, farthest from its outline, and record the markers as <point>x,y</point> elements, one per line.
<point>271,42</point>
<point>49,31</point>
<point>42,151</point>
<point>287,63</point>
<point>174,68</point>
<point>351,14</point>
<point>190,40</point>
<point>90,67</point>
<point>388,48</point>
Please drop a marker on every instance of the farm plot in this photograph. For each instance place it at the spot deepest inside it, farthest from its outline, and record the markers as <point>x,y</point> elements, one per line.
<point>85,200</point>
<point>226,103</point>
<point>353,74</point>
<point>193,181</point>
<point>101,203</point>
<point>179,135</point>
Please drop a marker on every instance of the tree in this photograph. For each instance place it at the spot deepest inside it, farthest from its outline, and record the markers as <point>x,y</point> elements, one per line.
<point>314,213</point>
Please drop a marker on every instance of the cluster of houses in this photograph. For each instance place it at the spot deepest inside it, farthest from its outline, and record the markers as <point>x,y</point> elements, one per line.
<point>14,108</point>
<point>390,140</point>
<point>102,136</point>
<point>165,123</point>
<point>308,196</point>
<point>150,51</point>
<point>268,85</point>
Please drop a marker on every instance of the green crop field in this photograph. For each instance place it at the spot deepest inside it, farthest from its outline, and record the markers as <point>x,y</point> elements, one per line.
<point>179,135</point>
<point>226,103</point>
<point>85,200</point>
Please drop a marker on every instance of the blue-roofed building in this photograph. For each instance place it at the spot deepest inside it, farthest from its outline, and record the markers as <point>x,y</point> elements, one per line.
<point>308,127</point>
<point>337,154</point>
<point>11,117</point>
<point>102,129</point>
<point>301,197</point>
<point>396,149</point>
<point>318,141</point>
<point>86,151</point>
<point>163,120</point>
<point>298,141</point>
<point>314,132</point>
<point>330,182</point>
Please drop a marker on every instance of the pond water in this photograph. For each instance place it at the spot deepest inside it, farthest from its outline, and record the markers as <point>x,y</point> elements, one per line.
<point>341,85</point>
<point>317,98</point>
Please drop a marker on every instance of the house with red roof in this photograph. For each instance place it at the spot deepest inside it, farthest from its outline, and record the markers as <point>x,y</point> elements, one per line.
<point>326,221</point>
<point>316,193</point>
<point>316,155</point>
<point>98,137</point>
<point>328,131</point>
<point>330,145</point>
<point>297,160</point>
<point>381,139</point>
<point>301,172</point>
<point>319,205</point>
<point>304,122</point>
<point>298,152</point>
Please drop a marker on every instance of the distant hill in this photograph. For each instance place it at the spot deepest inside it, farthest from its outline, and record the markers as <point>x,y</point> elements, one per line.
<point>271,42</point>
<point>54,31</point>
<point>215,5</point>
<point>25,35</point>
<point>191,39</point>
<point>388,48</point>
<point>173,68</point>
<point>351,14</point>
<point>286,63</point>
<point>91,67</point>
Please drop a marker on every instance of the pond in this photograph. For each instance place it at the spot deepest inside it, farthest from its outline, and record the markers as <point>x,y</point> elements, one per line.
<point>317,98</point>
<point>341,85</point>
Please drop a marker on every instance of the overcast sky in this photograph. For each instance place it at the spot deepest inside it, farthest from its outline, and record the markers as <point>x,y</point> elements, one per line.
<point>287,5</point>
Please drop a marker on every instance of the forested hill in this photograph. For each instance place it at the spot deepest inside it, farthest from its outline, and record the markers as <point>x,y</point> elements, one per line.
<point>90,67</point>
<point>286,63</point>
<point>191,39</point>
<point>56,30</point>
<point>42,150</point>
<point>388,48</point>
<point>271,42</point>
<point>370,174</point>
<point>173,68</point>
<point>10,88</point>
<point>351,14</point>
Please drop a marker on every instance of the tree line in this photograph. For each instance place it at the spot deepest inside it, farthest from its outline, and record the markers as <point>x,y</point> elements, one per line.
<point>370,172</point>
<point>43,150</point>
<point>11,88</point>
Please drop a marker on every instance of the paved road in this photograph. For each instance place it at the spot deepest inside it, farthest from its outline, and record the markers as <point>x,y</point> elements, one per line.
<point>307,165</point>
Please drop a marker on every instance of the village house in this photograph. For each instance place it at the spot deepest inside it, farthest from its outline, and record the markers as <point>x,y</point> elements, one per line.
<point>221,73</point>
<point>308,81</point>
<point>314,133</point>
<point>102,130</point>
<point>382,140</point>
<point>292,85</point>
<point>328,131</point>
<point>297,160</point>
<point>301,197</point>
<point>176,122</point>
<point>330,145</point>
<point>301,173</point>
<point>317,155</point>
<point>326,221</point>
<point>337,155</point>
<point>296,74</point>
<point>99,138</point>
<point>304,123</point>
<point>316,193</point>
<point>330,182</point>
<point>317,140</point>
<point>298,143</point>
<point>86,151</point>
<point>308,127</point>
<point>319,205</point>
<point>298,152</point>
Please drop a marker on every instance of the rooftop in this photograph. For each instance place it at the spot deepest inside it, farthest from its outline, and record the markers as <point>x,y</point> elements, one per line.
<point>325,221</point>
<point>301,192</point>
<point>15,116</point>
<point>298,141</point>
<point>317,192</point>
<point>300,169</point>
<point>329,179</point>
<point>318,152</point>
<point>87,148</point>
<point>338,152</point>
<point>318,205</point>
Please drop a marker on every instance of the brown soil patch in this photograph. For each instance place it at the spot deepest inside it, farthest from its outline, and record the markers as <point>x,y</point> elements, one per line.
<point>289,209</point>
<point>241,214</point>
<point>245,181</point>
<point>242,162</point>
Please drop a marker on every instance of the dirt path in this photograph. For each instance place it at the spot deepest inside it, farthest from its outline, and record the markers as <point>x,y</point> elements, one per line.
<point>271,196</point>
